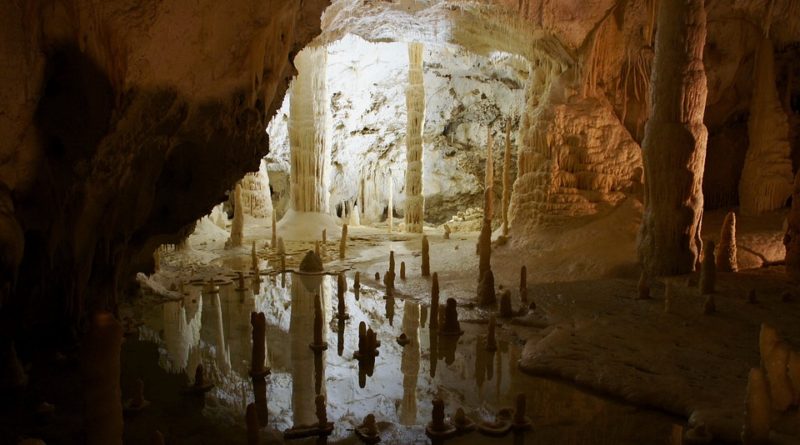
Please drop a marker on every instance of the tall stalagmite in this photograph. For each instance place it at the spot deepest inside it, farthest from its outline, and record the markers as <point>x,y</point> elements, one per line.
<point>415,109</point>
<point>309,133</point>
<point>506,178</point>
<point>726,252</point>
<point>766,181</point>
<point>256,198</point>
<point>674,144</point>
<point>237,225</point>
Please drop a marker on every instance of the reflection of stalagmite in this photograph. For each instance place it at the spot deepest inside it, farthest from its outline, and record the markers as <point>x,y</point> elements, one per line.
<point>237,225</point>
<point>343,243</point>
<point>766,181</point>
<point>426,259</point>
<point>415,110</point>
<point>259,338</point>
<point>674,144</point>
<point>223,354</point>
<point>181,333</point>
<point>304,288</point>
<point>309,132</point>
<point>409,363</point>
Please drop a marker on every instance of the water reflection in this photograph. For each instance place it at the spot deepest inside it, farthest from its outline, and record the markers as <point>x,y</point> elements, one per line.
<point>213,328</point>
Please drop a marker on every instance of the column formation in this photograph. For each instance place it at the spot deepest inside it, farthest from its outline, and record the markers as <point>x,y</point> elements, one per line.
<point>674,144</point>
<point>309,133</point>
<point>415,105</point>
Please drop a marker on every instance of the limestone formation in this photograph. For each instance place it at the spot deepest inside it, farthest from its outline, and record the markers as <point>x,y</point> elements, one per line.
<point>237,225</point>
<point>439,428</point>
<point>415,111</point>
<point>506,177</point>
<point>756,410</point>
<point>324,237</point>
<point>523,284</point>
<point>357,285</point>
<point>776,367</point>
<point>402,270</point>
<point>341,287</point>
<point>674,144</point>
<point>521,421</point>
<point>343,243</point>
<point>391,262</point>
<point>256,198</point>
<point>486,291</point>
<point>426,261</point>
<point>309,132</point>
<point>274,229</point>
<point>484,248</point>
<point>708,273</point>
<point>316,249</point>
<point>434,321</point>
<point>355,217</point>
<point>726,251</point>
<point>253,257</point>
<point>488,184</point>
<point>766,181</point>
<point>281,246</point>
<point>390,207</point>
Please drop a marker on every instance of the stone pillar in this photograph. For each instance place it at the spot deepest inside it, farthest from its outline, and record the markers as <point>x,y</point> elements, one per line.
<point>766,181</point>
<point>415,109</point>
<point>674,144</point>
<point>309,133</point>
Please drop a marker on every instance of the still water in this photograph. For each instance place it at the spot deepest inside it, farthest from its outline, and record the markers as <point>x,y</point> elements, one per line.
<point>212,327</point>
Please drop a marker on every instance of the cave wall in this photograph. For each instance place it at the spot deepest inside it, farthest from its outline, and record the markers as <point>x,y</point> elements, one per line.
<point>126,121</point>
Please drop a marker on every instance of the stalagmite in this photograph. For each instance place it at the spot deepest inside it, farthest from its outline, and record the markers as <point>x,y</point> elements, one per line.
<point>415,112</point>
<point>708,273</point>
<point>253,257</point>
<point>488,194</point>
<point>776,367</point>
<point>766,180</point>
<point>237,225</point>
<point>491,341</point>
<point>521,420</point>
<point>674,144</point>
<point>756,410</point>
<point>726,251</point>
<point>343,243</point>
<point>316,249</point>
<point>274,229</point>
<point>402,270</point>
<point>434,321</point>
<point>523,284</point>
<point>357,284</point>
<point>324,236</point>
<point>484,248</point>
<point>391,262</point>
<point>309,132</point>
<point>281,246</point>
<point>355,217</point>
<point>256,198</point>
<point>390,210</point>
<point>426,261</point>
<point>258,366</point>
<point>507,177</point>
<point>486,292</point>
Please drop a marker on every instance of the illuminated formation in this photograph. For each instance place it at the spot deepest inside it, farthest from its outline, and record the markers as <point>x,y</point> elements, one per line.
<point>415,108</point>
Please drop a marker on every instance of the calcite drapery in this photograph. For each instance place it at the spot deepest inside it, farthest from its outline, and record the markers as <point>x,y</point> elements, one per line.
<point>309,125</point>
<point>415,106</point>
<point>675,143</point>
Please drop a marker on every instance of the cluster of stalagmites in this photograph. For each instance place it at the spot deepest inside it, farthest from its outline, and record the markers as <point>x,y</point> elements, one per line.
<point>772,389</point>
<point>507,420</point>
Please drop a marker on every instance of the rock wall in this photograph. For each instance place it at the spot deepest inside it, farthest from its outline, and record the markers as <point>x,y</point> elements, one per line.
<point>127,121</point>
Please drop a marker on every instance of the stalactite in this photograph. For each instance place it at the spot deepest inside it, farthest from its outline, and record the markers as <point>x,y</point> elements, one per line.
<point>237,226</point>
<point>309,133</point>
<point>766,180</point>
<point>674,144</point>
<point>415,109</point>
<point>506,177</point>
